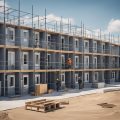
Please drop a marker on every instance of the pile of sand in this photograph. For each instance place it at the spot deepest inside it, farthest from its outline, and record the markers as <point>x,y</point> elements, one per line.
<point>4,116</point>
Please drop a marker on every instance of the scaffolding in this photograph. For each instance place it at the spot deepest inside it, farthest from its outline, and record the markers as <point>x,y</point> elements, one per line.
<point>25,20</point>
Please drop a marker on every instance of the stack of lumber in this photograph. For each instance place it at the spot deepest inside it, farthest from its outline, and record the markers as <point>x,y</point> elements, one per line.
<point>40,89</point>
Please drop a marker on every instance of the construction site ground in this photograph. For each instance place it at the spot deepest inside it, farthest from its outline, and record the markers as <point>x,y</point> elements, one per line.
<point>94,104</point>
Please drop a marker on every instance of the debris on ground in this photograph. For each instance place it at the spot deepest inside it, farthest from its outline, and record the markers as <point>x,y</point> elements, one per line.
<point>4,116</point>
<point>107,105</point>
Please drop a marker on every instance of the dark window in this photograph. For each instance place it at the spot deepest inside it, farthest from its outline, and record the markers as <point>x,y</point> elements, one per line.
<point>37,59</point>
<point>11,81</point>
<point>11,35</point>
<point>37,80</point>
<point>25,80</point>
<point>25,59</point>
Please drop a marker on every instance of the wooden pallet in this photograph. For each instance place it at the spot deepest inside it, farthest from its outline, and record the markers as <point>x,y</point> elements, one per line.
<point>42,105</point>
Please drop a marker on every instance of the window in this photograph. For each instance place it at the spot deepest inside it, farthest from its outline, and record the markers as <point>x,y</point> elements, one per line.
<point>76,43</point>
<point>49,37</point>
<point>11,80</point>
<point>103,47</point>
<point>25,35</point>
<point>11,58</point>
<point>76,78</point>
<point>63,78</point>
<point>36,38</point>
<point>86,77</point>
<point>63,59</point>
<point>25,80</point>
<point>11,33</point>
<point>113,75</point>
<point>49,57</point>
<point>62,41</point>
<point>25,58</point>
<point>76,61</point>
<point>95,61</point>
<point>95,45</point>
<point>49,60</point>
<point>86,45</point>
<point>37,79</point>
<point>96,76</point>
<point>86,61</point>
<point>37,58</point>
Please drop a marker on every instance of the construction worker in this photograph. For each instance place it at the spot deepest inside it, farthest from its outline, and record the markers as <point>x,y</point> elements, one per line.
<point>58,84</point>
<point>69,62</point>
<point>80,83</point>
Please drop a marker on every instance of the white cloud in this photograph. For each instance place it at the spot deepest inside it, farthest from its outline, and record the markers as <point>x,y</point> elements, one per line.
<point>52,17</point>
<point>114,26</point>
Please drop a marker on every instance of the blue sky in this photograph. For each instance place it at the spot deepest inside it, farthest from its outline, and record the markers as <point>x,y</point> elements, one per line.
<point>94,13</point>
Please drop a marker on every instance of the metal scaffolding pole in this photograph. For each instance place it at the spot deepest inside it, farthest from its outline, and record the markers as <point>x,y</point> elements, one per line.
<point>4,49</point>
<point>46,55</point>
<point>20,74</point>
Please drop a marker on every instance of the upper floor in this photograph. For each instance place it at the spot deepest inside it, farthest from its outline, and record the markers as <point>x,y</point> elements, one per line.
<point>34,38</point>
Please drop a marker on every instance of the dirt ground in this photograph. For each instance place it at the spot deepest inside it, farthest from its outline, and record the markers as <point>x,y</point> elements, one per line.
<point>4,116</point>
<point>87,107</point>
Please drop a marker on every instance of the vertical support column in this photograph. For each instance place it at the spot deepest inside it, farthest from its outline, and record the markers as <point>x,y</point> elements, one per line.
<point>32,60</point>
<point>4,50</point>
<point>46,56</point>
<point>82,51</point>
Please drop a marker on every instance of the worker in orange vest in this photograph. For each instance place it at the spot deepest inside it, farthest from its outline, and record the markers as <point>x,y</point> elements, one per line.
<point>69,62</point>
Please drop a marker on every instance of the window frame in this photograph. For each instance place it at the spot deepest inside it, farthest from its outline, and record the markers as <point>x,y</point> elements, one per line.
<point>86,76</point>
<point>25,38</point>
<point>95,58</point>
<point>25,76</point>
<point>62,75</point>
<point>76,62</point>
<point>36,34</point>
<point>113,75</point>
<point>76,76</point>
<point>95,45</point>
<point>11,58</point>
<point>62,59</point>
<point>103,47</point>
<point>86,48</point>
<point>25,53</point>
<point>48,37</point>
<point>9,80</point>
<point>37,76</point>
<point>86,63</point>
<point>8,33</point>
<point>37,54</point>
<point>95,73</point>
<point>76,45</point>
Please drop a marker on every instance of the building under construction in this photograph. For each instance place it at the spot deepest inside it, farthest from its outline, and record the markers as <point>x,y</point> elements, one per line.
<point>35,50</point>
